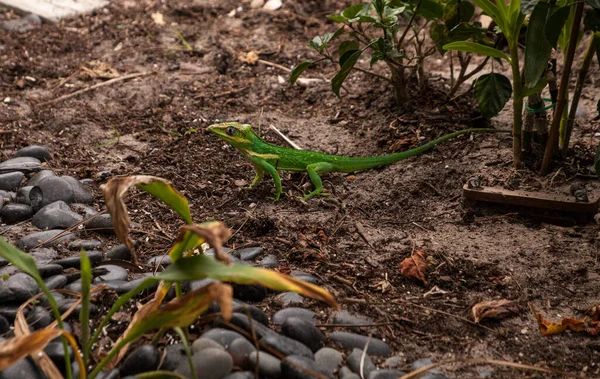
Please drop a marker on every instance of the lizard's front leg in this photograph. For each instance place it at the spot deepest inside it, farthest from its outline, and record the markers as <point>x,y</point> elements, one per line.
<point>313,173</point>
<point>264,166</point>
<point>259,175</point>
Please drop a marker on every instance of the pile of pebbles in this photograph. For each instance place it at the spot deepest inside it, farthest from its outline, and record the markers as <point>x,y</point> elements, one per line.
<point>30,191</point>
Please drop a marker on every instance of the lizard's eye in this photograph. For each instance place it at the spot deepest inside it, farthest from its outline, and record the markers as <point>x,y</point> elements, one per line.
<point>230,131</point>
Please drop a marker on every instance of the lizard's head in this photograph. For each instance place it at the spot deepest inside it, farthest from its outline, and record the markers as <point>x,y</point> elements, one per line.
<point>239,135</point>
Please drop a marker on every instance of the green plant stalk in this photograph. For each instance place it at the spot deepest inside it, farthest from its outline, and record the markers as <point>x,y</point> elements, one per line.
<point>186,347</point>
<point>84,314</point>
<point>562,91</point>
<point>583,70</point>
<point>517,104</point>
<point>109,356</point>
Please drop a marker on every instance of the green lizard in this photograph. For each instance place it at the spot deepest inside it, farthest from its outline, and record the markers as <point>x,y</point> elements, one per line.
<point>269,158</point>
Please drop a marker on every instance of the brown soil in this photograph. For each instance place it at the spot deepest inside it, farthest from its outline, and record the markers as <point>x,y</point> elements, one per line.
<point>155,125</point>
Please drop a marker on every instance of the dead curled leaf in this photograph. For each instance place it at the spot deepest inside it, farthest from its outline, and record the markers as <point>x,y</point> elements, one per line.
<point>414,266</point>
<point>494,309</point>
<point>250,57</point>
<point>548,328</point>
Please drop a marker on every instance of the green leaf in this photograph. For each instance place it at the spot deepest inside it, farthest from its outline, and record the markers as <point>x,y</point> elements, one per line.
<point>170,196</point>
<point>347,46</point>
<point>593,3</point>
<point>438,33</point>
<point>84,313</point>
<point>592,20</point>
<point>344,57</point>
<point>430,10</point>
<point>20,259</point>
<point>456,12</point>
<point>338,79</point>
<point>337,18</point>
<point>298,70</point>
<point>527,6</point>
<point>491,10</point>
<point>555,24</point>
<point>465,31</point>
<point>537,48</point>
<point>537,88</point>
<point>597,44</point>
<point>472,47</point>
<point>492,91</point>
<point>353,10</point>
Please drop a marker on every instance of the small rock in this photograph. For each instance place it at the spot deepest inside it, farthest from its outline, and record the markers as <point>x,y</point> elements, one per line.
<point>272,5</point>
<point>94,256</point>
<point>240,349</point>
<point>39,177</point>
<point>22,25</point>
<point>6,197</point>
<point>393,362</point>
<point>23,195</point>
<point>44,256</point>
<point>305,314</point>
<point>309,278</point>
<point>350,341</point>
<point>84,210</point>
<point>256,3</point>
<point>240,375</point>
<point>119,252</point>
<point>286,299</point>
<point>56,215</point>
<point>56,353</point>
<point>286,345</point>
<point>328,360</point>
<point>174,355</point>
<point>10,312</point>
<point>386,374</point>
<point>346,373</point>
<point>353,362</point>
<point>211,364</point>
<point>144,358</point>
<point>268,365</point>
<point>114,273</point>
<point>52,189</point>
<point>248,253</point>
<point>112,374</point>
<point>4,326</point>
<point>11,181</point>
<point>18,288</point>
<point>222,336</point>
<point>128,286</point>
<point>35,151</point>
<point>345,318</point>
<point>87,245</point>
<point>251,293</point>
<point>197,284</point>
<point>291,371</point>
<point>270,261</point>
<point>81,192</point>
<point>162,260</point>
<point>23,164</point>
<point>39,318</point>
<point>23,368</point>
<point>255,312</point>
<point>303,331</point>
<point>14,213</point>
<point>101,224</point>
<point>241,321</point>
<point>55,282</point>
<point>205,343</point>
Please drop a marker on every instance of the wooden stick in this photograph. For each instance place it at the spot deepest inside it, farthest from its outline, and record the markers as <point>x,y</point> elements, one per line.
<point>289,141</point>
<point>89,88</point>
<point>275,65</point>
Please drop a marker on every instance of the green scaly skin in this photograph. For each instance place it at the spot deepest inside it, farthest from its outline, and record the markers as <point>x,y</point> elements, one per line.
<point>269,158</point>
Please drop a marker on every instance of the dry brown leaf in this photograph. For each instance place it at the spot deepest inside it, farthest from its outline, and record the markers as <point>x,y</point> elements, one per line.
<point>548,328</point>
<point>594,328</point>
<point>494,309</point>
<point>214,233</point>
<point>250,57</point>
<point>97,69</point>
<point>414,266</point>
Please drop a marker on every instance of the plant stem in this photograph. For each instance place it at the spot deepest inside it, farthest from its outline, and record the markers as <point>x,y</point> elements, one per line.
<point>517,103</point>
<point>412,18</point>
<point>562,91</point>
<point>583,70</point>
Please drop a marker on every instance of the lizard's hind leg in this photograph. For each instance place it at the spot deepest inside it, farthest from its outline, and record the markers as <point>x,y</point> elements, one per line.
<point>313,173</point>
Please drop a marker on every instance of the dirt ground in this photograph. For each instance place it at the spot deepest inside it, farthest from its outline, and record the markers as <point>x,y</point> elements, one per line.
<point>354,239</point>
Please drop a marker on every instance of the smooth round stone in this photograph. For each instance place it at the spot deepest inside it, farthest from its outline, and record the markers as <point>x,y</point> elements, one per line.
<point>328,360</point>
<point>205,343</point>
<point>211,252</point>
<point>144,358</point>
<point>55,282</point>
<point>23,195</point>
<point>222,336</point>
<point>248,253</point>
<point>36,151</point>
<point>345,318</point>
<point>7,197</point>
<point>84,209</point>
<point>350,341</point>
<point>251,293</point>
<point>309,278</point>
<point>119,252</point>
<point>240,349</point>
<point>393,362</point>
<point>129,286</point>
<point>49,270</point>
<point>286,299</point>
<point>303,331</point>
<point>39,318</point>
<point>23,164</point>
<point>24,368</point>
<point>114,273</point>
<point>423,362</point>
<point>270,261</point>
<point>241,321</point>
<point>74,286</point>
<point>4,325</point>
<point>268,365</point>
<point>174,354</point>
<point>39,177</point>
<point>255,312</point>
<point>11,180</point>
<point>18,288</point>
<point>94,256</point>
<point>112,374</point>
<point>291,371</point>
<point>211,364</point>
<point>101,224</point>
<point>240,375</point>
<point>286,345</point>
<point>43,256</point>
<point>87,245</point>
<point>14,213</point>
<point>115,284</point>
<point>353,362</point>
<point>32,240</point>
<point>159,260</point>
<point>197,284</point>
<point>304,314</point>
<point>56,215</point>
<point>10,312</point>
<point>56,353</point>
<point>81,192</point>
<point>53,189</point>
<point>386,374</point>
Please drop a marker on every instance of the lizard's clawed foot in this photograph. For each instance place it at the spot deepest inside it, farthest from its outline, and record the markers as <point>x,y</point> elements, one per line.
<point>315,193</point>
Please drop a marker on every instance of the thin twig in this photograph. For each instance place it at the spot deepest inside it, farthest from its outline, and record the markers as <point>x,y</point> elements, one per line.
<point>89,88</point>
<point>276,65</point>
<point>289,141</point>
<point>373,74</point>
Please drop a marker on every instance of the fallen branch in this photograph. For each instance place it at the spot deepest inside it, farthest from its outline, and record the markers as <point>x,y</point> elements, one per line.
<point>289,141</point>
<point>89,88</point>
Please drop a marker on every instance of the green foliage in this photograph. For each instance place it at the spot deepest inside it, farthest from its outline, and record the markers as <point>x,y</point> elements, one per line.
<point>492,92</point>
<point>537,47</point>
<point>472,47</point>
